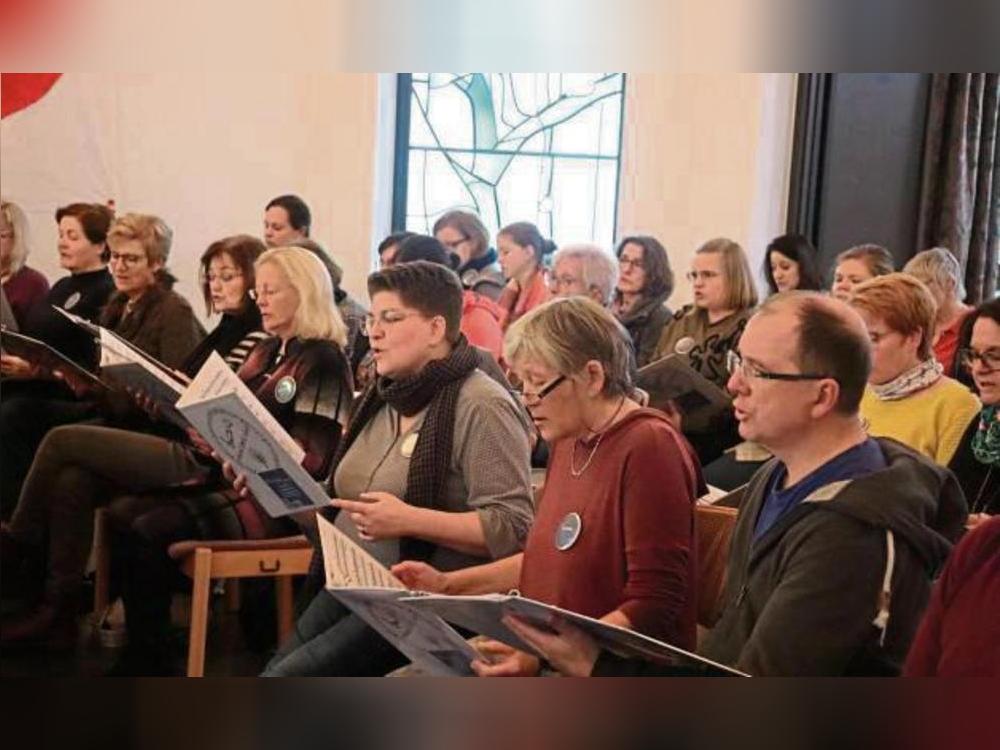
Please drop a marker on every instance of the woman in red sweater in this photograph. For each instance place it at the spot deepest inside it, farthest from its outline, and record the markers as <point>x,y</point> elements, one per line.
<point>613,536</point>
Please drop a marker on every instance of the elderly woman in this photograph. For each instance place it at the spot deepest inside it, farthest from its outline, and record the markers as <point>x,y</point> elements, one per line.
<point>941,273</point>
<point>613,537</point>
<point>645,281</point>
<point>858,264</point>
<point>301,375</point>
<point>464,234</point>
<point>79,467</point>
<point>724,298</point>
<point>790,262</point>
<point>433,467</point>
<point>24,287</point>
<point>584,270</point>
<point>522,252</point>
<point>907,397</point>
<point>976,463</point>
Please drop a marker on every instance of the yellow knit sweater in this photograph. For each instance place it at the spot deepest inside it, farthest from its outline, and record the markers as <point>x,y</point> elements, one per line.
<point>931,421</point>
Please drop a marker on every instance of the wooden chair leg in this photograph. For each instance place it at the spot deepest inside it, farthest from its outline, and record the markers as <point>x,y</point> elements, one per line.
<point>202,582</point>
<point>286,607</point>
<point>102,564</point>
<point>232,594</point>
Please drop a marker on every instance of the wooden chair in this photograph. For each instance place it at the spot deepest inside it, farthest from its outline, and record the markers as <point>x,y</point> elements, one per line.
<point>714,530</point>
<point>205,561</point>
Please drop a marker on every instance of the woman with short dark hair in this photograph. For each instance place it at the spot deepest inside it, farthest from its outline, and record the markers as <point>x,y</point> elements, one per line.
<point>434,465</point>
<point>523,251</point>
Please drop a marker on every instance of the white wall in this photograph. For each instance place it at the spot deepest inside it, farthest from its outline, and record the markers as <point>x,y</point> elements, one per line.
<point>704,155</point>
<point>204,151</point>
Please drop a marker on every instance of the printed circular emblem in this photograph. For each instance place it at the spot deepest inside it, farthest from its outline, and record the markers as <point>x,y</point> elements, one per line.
<point>568,531</point>
<point>284,391</point>
<point>71,301</point>
<point>409,443</point>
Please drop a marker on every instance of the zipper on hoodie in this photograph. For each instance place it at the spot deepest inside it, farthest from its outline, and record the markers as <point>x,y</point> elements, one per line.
<point>742,595</point>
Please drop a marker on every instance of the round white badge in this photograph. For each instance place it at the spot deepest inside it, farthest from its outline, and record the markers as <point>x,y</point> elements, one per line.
<point>409,444</point>
<point>568,531</point>
<point>71,301</point>
<point>284,391</point>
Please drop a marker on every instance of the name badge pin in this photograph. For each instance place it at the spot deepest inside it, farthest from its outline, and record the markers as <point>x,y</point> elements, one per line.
<point>568,531</point>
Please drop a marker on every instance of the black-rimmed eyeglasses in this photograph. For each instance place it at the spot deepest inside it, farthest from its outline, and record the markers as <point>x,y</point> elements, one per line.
<point>735,363</point>
<point>533,399</point>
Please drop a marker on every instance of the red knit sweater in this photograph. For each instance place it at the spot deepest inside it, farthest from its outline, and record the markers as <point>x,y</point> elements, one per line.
<point>636,549</point>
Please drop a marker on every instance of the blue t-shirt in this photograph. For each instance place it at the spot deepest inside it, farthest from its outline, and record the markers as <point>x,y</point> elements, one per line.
<point>862,459</point>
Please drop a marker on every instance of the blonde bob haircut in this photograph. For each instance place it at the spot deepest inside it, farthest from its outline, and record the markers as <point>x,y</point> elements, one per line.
<point>903,303</point>
<point>741,294</point>
<point>152,233</point>
<point>317,316</point>
<point>18,221</point>
<point>565,334</point>
<point>939,266</point>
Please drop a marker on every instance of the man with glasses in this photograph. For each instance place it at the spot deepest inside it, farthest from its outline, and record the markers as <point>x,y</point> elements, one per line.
<point>839,535</point>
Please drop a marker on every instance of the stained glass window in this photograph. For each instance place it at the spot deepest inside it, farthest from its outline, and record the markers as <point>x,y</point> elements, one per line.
<point>539,147</point>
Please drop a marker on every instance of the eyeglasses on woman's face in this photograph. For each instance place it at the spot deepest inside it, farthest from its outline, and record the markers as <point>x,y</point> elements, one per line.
<point>988,359</point>
<point>533,398</point>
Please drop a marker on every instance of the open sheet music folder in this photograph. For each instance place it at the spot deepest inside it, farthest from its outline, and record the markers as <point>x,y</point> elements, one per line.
<point>673,379</point>
<point>484,614</point>
<point>366,587</point>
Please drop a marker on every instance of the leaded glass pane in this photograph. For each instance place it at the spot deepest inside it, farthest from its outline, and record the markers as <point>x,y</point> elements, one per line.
<point>541,147</point>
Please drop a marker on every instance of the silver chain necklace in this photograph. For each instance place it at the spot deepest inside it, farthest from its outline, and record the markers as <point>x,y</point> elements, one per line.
<point>576,473</point>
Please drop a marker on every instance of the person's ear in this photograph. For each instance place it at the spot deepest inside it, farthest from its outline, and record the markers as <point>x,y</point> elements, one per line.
<point>439,330</point>
<point>827,396</point>
<point>595,377</point>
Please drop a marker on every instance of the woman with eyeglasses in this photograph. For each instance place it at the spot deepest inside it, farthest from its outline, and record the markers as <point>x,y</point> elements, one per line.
<point>613,536</point>
<point>976,463</point>
<point>433,465</point>
<point>465,235</point>
<point>645,282</point>
<point>298,372</point>
<point>522,252</point>
<point>908,398</point>
<point>724,298</point>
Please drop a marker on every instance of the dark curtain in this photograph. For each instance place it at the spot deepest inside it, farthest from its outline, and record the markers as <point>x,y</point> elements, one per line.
<point>960,184</point>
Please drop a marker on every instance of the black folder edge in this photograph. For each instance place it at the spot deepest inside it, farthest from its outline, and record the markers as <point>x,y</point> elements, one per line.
<point>44,355</point>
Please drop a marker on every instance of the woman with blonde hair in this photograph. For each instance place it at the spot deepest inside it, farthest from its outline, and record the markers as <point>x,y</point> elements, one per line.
<point>613,536</point>
<point>24,287</point>
<point>299,374</point>
<point>724,298</point>
<point>908,398</point>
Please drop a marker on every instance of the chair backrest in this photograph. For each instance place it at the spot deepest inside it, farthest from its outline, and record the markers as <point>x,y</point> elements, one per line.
<point>714,529</point>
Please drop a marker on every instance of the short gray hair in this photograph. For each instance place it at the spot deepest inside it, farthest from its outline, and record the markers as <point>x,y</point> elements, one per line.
<point>940,265</point>
<point>600,270</point>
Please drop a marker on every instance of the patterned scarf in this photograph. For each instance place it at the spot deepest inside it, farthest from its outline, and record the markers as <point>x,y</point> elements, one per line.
<point>435,387</point>
<point>924,375</point>
<point>986,441</point>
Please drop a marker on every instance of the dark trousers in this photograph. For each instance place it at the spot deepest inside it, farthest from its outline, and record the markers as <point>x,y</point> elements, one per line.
<point>27,412</point>
<point>78,469</point>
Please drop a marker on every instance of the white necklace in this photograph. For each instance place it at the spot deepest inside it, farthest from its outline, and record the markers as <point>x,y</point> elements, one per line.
<point>576,473</point>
